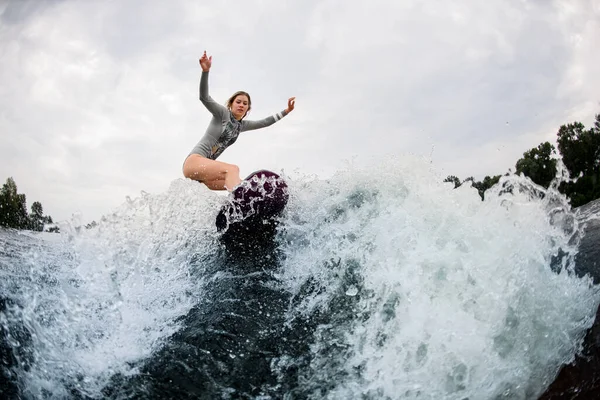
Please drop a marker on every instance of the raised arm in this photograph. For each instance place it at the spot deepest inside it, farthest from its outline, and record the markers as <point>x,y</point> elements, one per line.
<point>262,123</point>
<point>215,108</point>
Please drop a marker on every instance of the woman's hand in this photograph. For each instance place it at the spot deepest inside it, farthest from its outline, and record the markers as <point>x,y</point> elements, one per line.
<point>291,103</point>
<point>205,62</point>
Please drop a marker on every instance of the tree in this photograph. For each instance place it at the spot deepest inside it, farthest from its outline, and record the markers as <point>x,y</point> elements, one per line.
<point>480,186</point>
<point>13,207</point>
<point>13,210</point>
<point>36,217</point>
<point>580,151</point>
<point>453,179</point>
<point>580,148</point>
<point>485,184</point>
<point>538,164</point>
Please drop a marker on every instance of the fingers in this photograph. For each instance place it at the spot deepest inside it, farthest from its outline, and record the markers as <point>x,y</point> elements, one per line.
<point>205,61</point>
<point>291,102</point>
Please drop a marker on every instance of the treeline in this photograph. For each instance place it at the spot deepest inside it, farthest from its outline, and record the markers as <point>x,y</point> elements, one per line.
<point>13,210</point>
<point>580,151</point>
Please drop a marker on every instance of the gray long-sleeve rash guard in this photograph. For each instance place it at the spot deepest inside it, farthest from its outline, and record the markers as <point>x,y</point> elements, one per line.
<point>224,129</point>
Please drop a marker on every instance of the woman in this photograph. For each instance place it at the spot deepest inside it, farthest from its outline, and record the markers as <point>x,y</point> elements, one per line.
<point>223,130</point>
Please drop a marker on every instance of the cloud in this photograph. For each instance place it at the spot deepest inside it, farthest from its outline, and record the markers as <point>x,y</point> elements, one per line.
<point>99,100</point>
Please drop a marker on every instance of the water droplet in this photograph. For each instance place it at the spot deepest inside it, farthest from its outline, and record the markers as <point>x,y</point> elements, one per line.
<point>352,291</point>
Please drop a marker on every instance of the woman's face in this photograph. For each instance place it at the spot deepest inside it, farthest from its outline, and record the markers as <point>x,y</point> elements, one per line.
<point>239,106</point>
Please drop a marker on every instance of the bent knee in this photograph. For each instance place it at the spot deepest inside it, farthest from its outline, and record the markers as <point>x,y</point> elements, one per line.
<point>190,173</point>
<point>232,169</point>
<point>189,170</point>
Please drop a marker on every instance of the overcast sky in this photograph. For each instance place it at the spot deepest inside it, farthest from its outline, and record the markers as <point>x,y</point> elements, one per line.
<point>99,99</point>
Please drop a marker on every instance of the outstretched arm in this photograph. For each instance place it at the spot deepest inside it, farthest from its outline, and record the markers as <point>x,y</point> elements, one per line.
<point>262,123</point>
<point>215,108</point>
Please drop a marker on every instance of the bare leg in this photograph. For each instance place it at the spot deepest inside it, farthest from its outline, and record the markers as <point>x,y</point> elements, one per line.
<point>215,175</point>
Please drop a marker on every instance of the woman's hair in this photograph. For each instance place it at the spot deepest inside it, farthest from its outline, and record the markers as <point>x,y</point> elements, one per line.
<point>236,94</point>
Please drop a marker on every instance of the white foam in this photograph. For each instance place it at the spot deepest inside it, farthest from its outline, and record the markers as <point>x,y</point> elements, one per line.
<point>117,287</point>
<point>456,299</point>
<point>429,292</point>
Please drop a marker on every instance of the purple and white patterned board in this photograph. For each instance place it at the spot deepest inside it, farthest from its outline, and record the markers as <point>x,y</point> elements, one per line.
<point>260,197</point>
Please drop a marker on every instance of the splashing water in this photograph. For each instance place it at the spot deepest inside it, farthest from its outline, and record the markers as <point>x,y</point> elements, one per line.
<point>97,300</point>
<point>405,288</point>
<point>427,292</point>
